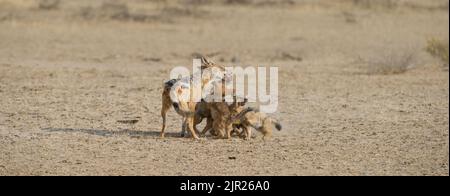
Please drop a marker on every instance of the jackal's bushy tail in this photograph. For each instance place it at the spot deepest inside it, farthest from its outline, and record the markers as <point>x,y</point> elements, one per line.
<point>277,124</point>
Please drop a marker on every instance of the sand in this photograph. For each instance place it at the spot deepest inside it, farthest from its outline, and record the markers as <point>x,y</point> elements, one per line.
<point>69,72</point>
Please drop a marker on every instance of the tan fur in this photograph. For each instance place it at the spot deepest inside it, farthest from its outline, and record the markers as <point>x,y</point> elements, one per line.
<point>185,109</point>
<point>222,114</point>
<point>203,111</point>
<point>257,120</point>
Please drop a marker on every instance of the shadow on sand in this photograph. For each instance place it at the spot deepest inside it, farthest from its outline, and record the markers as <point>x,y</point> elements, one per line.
<point>107,133</point>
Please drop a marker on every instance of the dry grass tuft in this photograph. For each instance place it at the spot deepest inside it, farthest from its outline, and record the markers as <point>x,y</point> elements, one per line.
<point>438,49</point>
<point>121,12</point>
<point>369,4</point>
<point>49,4</point>
<point>349,17</point>
<point>259,2</point>
<point>241,2</point>
<point>391,64</point>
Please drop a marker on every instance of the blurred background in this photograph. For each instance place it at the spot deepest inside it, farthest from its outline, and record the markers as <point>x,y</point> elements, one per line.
<point>229,30</point>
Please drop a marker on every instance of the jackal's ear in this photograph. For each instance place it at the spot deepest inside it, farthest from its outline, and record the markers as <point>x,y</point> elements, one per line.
<point>205,62</point>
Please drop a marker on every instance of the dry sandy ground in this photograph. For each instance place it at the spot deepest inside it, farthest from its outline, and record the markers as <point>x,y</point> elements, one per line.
<point>68,73</point>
